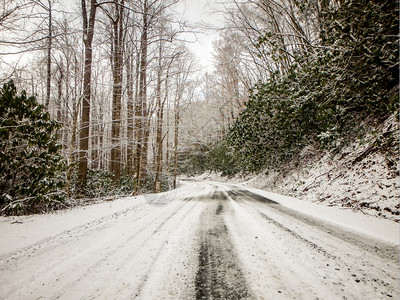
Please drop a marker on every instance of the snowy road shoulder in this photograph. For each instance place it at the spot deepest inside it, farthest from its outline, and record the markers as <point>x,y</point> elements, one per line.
<point>22,231</point>
<point>17,232</point>
<point>371,227</point>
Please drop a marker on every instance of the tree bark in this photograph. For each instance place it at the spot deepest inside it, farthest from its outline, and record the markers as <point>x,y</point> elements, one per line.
<point>176,139</point>
<point>117,91</point>
<point>49,47</point>
<point>141,105</point>
<point>159,137</point>
<point>159,123</point>
<point>88,33</point>
<point>130,115</point>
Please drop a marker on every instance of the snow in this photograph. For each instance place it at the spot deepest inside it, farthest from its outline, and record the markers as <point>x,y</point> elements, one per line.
<point>380,229</point>
<point>368,186</point>
<point>22,231</point>
<point>272,258</point>
<point>152,247</point>
<point>92,251</point>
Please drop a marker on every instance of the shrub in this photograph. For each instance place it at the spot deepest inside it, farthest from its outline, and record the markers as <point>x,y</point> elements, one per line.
<point>31,167</point>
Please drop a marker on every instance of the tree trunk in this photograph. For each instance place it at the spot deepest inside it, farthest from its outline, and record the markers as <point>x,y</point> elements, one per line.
<point>159,136</point>
<point>176,139</point>
<point>158,155</point>
<point>49,46</point>
<point>130,115</point>
<point>145,147</point>
<point>59,95</point>
<point>71,152</point>
<point>117,92</point>
<point>88,32</point>
<point>141,105</point>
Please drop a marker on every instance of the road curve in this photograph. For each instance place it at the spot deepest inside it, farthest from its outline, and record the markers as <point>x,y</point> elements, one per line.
<point>207,242</point>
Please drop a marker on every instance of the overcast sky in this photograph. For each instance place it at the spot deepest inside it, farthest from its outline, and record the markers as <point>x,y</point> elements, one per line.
<point>199,12</point>
<point>196,13</point>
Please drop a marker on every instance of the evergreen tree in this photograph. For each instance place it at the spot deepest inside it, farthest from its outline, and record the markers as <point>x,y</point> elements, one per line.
<point>221,159</point>
<point>30,164</point>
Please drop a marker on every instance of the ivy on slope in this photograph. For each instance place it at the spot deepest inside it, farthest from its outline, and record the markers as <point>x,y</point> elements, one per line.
<point>352,79</point>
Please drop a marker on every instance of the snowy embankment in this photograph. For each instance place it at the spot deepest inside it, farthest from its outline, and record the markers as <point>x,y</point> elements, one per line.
<point>359,178</point>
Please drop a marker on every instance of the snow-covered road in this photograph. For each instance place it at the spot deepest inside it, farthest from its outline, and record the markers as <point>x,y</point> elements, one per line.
<point>203,241</point>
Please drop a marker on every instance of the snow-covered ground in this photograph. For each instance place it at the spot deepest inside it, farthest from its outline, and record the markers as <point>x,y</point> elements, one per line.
<point>204,240</point>
<point>359,178</point>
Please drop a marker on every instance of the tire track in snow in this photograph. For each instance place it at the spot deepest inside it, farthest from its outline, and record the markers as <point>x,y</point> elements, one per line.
<point>350,266</point>
<point>63,237</point>
<point>203,245</point>
<point>95,244</point>
<point>127,257</point>
<point>381,249</point>
<point>60,252</point>
<point>218,275</point>
<point>185,214</point>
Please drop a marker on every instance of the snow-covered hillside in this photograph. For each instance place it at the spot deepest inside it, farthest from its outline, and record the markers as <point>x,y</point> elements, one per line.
<point>360,177</point>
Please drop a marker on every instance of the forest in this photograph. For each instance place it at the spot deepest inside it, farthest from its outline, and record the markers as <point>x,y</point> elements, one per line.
<point>105,98</point>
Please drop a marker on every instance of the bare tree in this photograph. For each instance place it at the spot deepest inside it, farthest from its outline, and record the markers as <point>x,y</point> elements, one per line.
<point>49,48</point>
<point>141,104</point>
<point>88,17</point>
<point>150,11</point>
<point>132,72</point>
<point>163,68</point>
<point>116,17</point>
<point>185,66</point>
<point>112,101</point>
